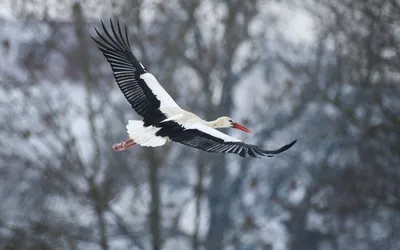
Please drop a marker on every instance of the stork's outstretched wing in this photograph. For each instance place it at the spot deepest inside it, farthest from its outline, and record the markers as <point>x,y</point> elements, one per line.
<point>211,140</point>
<point>140,87</point>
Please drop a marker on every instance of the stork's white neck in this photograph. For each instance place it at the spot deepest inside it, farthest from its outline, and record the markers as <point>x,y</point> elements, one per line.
<point>222,122</point>
<point>212,124</point>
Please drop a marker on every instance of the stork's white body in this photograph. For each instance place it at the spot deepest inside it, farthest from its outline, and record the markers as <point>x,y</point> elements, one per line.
<point>146,136</point>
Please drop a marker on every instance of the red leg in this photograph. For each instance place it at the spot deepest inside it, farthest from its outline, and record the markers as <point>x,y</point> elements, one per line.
<point>123,145</point>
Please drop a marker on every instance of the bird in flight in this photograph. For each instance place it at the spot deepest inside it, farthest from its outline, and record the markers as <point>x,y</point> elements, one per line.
<point>163,120</point>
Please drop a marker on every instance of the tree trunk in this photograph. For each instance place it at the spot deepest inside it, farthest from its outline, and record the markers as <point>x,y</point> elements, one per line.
<point>199,194</point>
<point>218,204</point>
<point>103,229</point>
<point>218,193</point>
<point>154,215</point>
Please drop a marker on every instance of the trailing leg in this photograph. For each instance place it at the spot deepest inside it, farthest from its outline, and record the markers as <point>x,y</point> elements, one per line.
<point>123,145</point>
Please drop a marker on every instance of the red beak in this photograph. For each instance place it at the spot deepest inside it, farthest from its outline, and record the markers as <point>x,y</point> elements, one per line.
<point>240,127</point>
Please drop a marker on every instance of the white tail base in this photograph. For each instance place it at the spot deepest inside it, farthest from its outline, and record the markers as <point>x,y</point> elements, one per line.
<point>144,136</point>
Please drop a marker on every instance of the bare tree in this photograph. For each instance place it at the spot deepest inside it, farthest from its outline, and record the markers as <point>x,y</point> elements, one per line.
<point>354,167</point>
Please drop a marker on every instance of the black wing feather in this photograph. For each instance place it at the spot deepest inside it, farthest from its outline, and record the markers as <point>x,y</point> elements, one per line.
<point>127,71</point>
<point>204,141</point>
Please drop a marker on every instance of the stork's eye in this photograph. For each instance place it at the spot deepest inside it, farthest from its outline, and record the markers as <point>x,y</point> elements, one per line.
<point>230,121</point>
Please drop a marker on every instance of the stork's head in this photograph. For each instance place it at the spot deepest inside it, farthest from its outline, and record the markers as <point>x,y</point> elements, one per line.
<point>227,122</point>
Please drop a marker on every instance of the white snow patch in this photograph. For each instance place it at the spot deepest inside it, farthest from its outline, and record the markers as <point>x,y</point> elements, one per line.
<point>187,222</point>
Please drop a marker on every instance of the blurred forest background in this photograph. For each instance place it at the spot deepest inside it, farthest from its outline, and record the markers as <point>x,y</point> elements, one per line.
<point>325,72</point>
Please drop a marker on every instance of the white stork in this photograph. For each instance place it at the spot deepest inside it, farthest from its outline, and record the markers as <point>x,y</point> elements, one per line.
<point>163,119</point>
